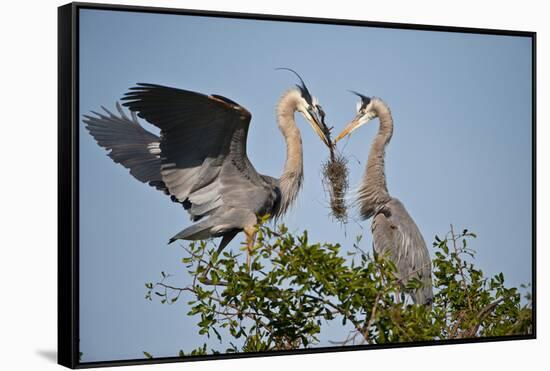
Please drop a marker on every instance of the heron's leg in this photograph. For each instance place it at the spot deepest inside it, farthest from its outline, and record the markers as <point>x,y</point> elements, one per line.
<point>250,232</point>
<point>400,297</point>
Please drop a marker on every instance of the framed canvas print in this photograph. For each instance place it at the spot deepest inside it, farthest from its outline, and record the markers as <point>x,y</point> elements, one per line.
<point>235,185</point>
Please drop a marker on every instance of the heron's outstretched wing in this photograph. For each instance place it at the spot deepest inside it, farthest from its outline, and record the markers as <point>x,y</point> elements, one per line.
<point>129,144</point>
<point>203,156</point>
<point>396,235</point>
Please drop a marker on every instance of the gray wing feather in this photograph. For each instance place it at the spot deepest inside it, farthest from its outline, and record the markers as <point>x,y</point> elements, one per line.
<point>196,133</point>
<point>203,157</point>
<point>128,142</point>
<point>396,234</point>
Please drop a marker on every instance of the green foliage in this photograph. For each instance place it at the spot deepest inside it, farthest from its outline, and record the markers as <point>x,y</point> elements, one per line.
<point>473,304</point>
<point>293,287</point>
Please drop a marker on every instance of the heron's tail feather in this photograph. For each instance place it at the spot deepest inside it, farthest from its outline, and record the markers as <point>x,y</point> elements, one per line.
<point>204,230</point>
<point>198,231</point>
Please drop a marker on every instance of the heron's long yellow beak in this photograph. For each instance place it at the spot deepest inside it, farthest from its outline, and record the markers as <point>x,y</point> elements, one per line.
<point>354,124</point>
<point>322,135</point>
<point>319,127</point>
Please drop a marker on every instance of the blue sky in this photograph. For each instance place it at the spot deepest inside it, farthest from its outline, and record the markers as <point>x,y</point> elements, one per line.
<point>461,150</point>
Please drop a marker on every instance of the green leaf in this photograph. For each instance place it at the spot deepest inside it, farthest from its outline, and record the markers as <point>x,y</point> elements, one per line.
<point>297,286</point>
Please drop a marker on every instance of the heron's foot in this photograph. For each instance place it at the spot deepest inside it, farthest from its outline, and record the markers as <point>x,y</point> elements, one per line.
<point>248,257</point>
<point>250,233</point>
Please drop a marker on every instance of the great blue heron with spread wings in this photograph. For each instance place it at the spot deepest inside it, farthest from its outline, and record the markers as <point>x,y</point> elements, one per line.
<point>395,233</point>
<point>200,158</point>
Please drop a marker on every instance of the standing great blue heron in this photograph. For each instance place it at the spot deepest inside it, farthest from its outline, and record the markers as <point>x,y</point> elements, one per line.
<point>394,231</point>
<point>200,158</point>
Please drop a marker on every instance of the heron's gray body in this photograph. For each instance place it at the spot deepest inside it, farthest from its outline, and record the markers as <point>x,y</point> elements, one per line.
<point>395,234</point>
<point>200,158</point>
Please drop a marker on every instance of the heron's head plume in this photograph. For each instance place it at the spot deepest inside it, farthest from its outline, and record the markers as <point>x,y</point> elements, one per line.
<point>310,108</point>
<point>364,113</point>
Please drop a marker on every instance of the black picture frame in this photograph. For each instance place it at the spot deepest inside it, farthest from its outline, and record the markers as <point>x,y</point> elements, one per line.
<point>68,180</point>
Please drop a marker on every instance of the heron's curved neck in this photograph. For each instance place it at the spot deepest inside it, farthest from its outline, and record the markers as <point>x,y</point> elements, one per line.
<point>293,172</point>
<point>374,192</point>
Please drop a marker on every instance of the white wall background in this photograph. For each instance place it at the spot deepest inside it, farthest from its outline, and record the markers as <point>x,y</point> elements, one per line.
<point>28,150</point>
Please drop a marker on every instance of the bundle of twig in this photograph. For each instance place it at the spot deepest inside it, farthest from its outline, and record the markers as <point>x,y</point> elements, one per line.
<point>335,182</point>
